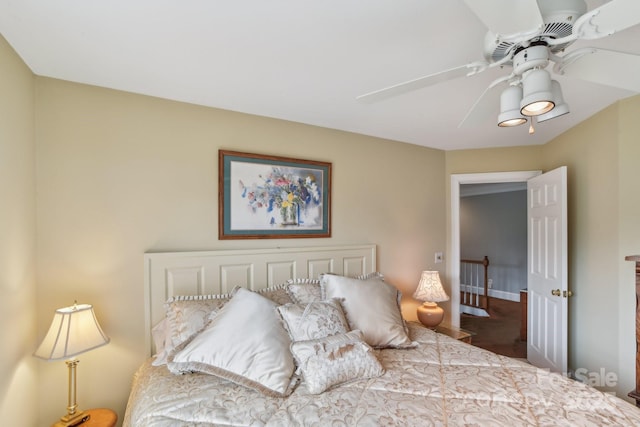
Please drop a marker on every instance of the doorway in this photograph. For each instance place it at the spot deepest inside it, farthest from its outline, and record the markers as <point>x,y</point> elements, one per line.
<point>493,224</point>
<point>454,257</point>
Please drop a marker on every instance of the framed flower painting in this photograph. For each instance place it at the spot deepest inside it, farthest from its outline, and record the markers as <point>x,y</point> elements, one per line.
<point>269,197</point>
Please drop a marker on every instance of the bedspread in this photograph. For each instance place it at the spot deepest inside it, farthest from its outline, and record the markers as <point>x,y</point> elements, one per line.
<point>441,382</point>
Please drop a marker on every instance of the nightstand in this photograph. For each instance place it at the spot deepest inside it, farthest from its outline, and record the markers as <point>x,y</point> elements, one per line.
<point>454,332</point>
<point>99,417</point>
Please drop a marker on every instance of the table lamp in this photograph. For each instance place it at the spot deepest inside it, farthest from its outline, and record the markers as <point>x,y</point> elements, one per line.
<point>74,330</point>
<point>430,291</point>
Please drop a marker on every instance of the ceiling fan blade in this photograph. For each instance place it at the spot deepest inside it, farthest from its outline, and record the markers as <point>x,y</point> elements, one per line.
<point>611,17</point>
<point>608,67</point>
<point>418,83</point>
<point>507,16</point>
<point>486,107</point>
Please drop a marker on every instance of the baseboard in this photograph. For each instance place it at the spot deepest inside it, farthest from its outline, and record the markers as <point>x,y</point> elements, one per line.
<point>474,311</point>
<point>494,293</point>
<point>504,295</point>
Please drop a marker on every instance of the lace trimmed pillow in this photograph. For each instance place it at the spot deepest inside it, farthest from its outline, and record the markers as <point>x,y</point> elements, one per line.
<point>314,320</point>
<point>335,360</point>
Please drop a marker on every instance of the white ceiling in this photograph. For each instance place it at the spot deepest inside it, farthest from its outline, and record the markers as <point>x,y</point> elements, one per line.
<point>303,61</point>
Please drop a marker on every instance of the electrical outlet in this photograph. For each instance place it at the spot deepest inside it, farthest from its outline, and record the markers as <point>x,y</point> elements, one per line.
<point>438,257</point>
<point>490,283</point>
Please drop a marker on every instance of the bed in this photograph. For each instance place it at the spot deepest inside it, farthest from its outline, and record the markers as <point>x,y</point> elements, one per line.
<point>284,350</point>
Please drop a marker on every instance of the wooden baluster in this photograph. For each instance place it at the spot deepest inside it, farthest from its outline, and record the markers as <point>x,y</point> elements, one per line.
<point>485,263</point>
<point>470,277</point>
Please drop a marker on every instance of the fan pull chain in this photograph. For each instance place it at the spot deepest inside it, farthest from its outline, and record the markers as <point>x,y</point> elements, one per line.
<point>531,129</point>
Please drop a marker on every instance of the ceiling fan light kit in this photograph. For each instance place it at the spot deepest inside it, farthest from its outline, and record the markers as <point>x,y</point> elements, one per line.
<point>529,34</point>
<point>561,108</point>
<point>510,107</point>
<point>536,93</point>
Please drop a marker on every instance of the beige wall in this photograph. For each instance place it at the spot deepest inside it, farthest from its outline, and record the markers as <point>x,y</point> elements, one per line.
<point>120,174</point>
<point>590,152</point>
<point>510,159</point>
<point>18,369</point>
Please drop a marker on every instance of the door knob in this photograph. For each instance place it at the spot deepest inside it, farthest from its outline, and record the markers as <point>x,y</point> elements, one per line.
<point>567,294</point>
<point>555,292</point>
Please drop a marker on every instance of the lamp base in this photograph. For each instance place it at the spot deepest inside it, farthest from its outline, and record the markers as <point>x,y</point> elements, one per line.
<point>72,420</point>
<point>74,415</point>
<point>430,314</point>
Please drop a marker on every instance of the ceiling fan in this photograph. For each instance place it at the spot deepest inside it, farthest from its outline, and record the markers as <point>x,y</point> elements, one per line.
<point>526,36</point>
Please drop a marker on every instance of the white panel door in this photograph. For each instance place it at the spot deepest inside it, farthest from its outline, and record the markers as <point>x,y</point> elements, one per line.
<point>547,278</point>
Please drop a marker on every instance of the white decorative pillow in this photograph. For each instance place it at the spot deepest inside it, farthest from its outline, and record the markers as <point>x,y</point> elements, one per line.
<point>371,306</point>
<point>336,359</point>
<point>304,291</point>
<point>314,320</point>
<point>245,342</point>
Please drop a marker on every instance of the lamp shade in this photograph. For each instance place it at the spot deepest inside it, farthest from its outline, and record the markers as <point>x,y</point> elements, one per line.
<point>430,288</point>
<point>536,93</point>
<point>73,331</point>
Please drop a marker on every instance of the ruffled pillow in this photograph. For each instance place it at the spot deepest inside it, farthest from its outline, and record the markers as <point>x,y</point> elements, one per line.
<point>304,291</point>
<point>314,320</point>
<point>334,360</point>
<point>372,306</point>
<point>368,276</point>
<point>245,342</point>
<point>184,316</point>
<point>160,335</point>
<point>278,294</point>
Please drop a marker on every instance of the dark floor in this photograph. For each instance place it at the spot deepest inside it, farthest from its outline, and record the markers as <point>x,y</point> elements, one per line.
<point>500,332</point>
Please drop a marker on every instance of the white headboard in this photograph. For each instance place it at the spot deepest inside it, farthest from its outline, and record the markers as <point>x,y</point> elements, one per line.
<point>217,272</point>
